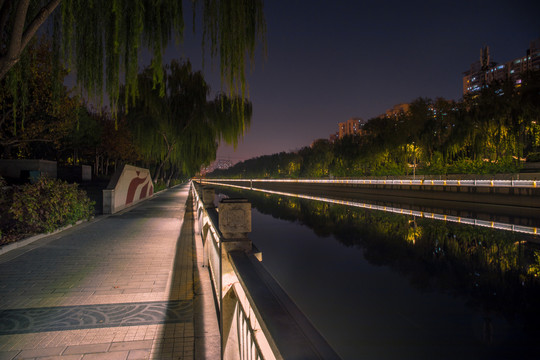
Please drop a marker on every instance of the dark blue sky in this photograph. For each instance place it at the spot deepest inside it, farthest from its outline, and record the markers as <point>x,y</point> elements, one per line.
<point>330,60</point>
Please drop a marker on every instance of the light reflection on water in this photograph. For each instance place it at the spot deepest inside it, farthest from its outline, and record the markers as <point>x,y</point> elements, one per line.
<point>386,286</point>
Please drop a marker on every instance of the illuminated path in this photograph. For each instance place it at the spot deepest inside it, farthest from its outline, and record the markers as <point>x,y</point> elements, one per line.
<point>124,286</point>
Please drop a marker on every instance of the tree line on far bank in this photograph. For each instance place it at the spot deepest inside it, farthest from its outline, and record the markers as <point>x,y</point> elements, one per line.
<point>493,131</point>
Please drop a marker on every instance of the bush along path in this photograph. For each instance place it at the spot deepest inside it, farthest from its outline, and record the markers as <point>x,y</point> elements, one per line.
<point>42,207</point>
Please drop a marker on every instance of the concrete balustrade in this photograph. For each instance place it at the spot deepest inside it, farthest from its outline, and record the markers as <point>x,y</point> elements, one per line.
<point>257,318</point>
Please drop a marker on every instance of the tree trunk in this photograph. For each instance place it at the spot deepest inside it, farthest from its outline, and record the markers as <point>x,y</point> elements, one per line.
<point>158,170</point>
<point>21,34</point>
<point>7,151</point>
<point>171,175</point>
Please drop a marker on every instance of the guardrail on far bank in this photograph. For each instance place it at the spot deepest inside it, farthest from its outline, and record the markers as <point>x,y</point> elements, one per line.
<point>531,230</point>
<point>257,318</point>
<point>419,182</point>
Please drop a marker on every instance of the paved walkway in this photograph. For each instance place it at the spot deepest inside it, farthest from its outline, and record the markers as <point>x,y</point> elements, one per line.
<point>124,286</point>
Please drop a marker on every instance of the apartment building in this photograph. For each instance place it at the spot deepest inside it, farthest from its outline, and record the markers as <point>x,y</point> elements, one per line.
<point>352,126</point>
<point>484,71</point>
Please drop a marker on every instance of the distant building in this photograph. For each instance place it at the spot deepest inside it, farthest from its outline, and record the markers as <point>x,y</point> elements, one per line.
<point>353,126</point>
<point>396,110</point>
<point>484,71</point>
<point>334,137</point>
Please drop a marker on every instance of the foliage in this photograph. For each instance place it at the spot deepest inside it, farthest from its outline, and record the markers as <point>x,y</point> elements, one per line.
<point>160,185</point>
<point>483,134</point>
<point>34,117</point>
<point>103,39</point>
<point>5,202</point>
<point>534,268</point>
<point>49,204</point>
<point>533,157</point>
<point>316,159</point>
<point>182,128</point>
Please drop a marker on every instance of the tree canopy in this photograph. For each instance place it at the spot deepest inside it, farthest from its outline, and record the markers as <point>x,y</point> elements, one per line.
<point>488,132</point>
<point>43,117</point>
<point>102,39</point>
<point>183,127</point>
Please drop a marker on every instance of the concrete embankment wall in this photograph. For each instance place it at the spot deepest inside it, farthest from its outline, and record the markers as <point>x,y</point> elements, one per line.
<point>22,169</point>
<point>483,202</point>
<point>512,196</point>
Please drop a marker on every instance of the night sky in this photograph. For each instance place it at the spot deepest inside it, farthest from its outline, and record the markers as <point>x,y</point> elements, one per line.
<point>329,61</point>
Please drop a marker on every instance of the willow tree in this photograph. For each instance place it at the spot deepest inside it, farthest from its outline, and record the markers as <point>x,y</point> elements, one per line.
<point>102,39</point>
<point>34,121</point>
<point>182,126</point>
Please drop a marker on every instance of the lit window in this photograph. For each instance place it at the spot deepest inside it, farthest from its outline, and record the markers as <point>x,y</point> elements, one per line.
<point>518,81</point>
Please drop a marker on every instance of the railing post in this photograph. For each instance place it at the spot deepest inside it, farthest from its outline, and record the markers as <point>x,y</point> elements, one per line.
<point>208,194</point>
<point>234,224</point>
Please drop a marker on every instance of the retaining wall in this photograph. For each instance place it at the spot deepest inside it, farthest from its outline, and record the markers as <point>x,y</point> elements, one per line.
<point>23,169</point>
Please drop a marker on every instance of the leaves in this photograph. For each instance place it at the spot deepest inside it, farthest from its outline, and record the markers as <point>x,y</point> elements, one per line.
<point>49,204</point>
<point>102,39</point>
<point>183,127</point>
<point>486,133</point>
<point>33,114</point>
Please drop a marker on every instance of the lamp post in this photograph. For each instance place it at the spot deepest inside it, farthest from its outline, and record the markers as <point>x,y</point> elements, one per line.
<point>414,162</point>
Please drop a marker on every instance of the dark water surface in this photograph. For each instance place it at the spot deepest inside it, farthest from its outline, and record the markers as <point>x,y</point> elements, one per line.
<point>386,286</point>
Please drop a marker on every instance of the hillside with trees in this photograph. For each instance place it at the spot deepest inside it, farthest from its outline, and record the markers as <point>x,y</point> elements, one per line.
<point>493,131</point>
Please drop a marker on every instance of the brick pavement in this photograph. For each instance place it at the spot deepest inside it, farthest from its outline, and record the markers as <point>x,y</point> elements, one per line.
<point>123,286</point>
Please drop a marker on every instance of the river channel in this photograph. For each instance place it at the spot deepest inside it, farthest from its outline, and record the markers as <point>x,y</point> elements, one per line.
<point>380,285</point>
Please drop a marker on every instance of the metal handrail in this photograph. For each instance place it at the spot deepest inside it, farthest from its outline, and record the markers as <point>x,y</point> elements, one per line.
<point>408,182</point>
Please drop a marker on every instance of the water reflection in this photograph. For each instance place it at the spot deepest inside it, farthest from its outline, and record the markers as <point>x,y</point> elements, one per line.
<point>455,274</point>
<point>510,218</point>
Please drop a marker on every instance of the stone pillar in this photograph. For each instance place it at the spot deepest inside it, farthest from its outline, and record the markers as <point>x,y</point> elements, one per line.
<point>234,218</point>
<point>234,224</point>
<point>208,194</point>
<point>108,202</point>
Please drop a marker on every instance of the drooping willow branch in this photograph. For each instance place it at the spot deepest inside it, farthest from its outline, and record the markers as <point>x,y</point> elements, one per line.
<point>102,39</point>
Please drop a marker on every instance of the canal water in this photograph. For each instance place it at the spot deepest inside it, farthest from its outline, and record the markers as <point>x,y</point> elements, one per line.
<point>380,285</point>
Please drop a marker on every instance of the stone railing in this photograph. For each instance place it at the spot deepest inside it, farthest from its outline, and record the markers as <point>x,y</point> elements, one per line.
<point>257,318</point>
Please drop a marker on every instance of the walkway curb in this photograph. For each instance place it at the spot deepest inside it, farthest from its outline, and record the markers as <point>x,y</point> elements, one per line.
<point>29,240</point>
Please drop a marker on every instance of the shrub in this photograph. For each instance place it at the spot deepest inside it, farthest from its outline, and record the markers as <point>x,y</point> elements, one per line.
<point>533,157</point>
<point>159,185</point>
<point>5,202</point>
<point>437,165</point>
<point>49,204</point>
